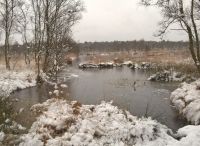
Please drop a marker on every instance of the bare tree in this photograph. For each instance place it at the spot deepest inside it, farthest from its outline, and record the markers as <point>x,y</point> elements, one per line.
<point>22,23</point>
<point>7,14</point>
<point>184,13</point>
<point>53,20</point>
<point>60,16</point>
<point>38,31</point>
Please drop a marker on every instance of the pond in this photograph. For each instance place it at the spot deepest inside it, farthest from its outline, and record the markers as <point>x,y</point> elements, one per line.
<point>128,89</point>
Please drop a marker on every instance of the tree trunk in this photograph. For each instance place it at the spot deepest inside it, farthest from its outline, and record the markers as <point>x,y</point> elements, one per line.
<point>6,49</point>
<point>7,60</point>
<point>196,36</point>
<point>47,49</point>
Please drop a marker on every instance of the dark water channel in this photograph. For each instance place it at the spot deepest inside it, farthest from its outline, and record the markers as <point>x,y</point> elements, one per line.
<point>143,98</point>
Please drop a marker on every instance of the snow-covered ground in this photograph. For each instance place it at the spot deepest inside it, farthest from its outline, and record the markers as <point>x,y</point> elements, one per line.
<point>187,100</point>
<point>2,135</point>
<point>111,64</point>
<point>14,80</point>
<point>72,124</point>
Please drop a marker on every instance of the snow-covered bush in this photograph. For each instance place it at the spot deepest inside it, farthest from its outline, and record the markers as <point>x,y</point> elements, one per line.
<point>187,100</point>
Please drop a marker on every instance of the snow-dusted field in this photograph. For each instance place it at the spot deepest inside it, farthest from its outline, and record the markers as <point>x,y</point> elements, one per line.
<point>187,100</point>
<point>14,80</point>
<point>72,124</point>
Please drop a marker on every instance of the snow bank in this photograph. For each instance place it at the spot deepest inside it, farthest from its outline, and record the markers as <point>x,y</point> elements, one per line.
<point>73,124</point>
<point>190,136</point>
<point>187,100</point>
<point>111,64</point>
<point>167,76</point>
<point>2,135</point>
<point>12,80</point>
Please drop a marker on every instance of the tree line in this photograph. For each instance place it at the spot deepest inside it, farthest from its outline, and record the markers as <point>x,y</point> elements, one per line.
<point>135,45</point>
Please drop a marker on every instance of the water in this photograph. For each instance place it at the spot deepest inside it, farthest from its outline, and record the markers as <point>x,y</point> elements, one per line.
<point>25,99</point>
<point>142,99</point>
<point>127,88</point>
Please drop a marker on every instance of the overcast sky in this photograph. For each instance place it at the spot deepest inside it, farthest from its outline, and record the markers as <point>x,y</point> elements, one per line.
<point>108,20</point>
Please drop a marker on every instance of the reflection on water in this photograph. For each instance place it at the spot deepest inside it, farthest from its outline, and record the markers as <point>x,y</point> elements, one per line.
<point>127,88</point>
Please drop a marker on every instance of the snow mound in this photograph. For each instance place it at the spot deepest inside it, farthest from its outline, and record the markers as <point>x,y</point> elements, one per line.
<point>115,63</point>
<point>2,135</point>
<point>167,76</point>
<point>189,135</point>
<point>73,124</point>
<point>12,80</point>
<point>187,100</point>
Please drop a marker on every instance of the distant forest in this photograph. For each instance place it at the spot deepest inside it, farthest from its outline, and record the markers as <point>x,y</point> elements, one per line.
<point>131,45</point>
<point>112,46</point>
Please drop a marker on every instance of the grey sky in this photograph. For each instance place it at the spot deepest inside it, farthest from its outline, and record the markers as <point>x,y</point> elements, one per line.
<point>108,20</point>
